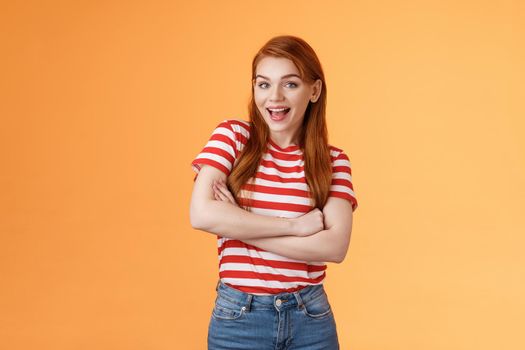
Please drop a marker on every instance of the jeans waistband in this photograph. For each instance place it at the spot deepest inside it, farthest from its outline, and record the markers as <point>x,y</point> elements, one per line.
<point>282,300</point>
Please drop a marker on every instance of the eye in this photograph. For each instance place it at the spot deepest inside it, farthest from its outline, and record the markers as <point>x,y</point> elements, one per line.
<point>260,85</point>
<point>291,82</point>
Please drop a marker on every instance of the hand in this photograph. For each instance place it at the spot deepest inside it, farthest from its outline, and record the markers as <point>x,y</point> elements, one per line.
<point>309,223</point>
<point>222,193</point>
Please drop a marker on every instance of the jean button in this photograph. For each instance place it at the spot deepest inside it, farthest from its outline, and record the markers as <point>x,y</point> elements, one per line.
<point>278,302</point>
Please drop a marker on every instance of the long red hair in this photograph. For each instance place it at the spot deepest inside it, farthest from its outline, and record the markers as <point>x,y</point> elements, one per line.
<point>313,135</point>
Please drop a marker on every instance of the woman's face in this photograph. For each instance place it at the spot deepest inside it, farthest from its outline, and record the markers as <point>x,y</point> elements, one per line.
<point>278,86</point>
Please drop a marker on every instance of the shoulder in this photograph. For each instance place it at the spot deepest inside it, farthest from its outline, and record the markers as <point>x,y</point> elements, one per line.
<point>239,127</point>
<point>340,160</point>
<point>236,124</point>
<point>342,176</point>
<point>337,153</point>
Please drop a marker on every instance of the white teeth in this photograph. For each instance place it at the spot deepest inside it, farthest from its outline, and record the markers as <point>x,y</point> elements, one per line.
<point>278,110</point>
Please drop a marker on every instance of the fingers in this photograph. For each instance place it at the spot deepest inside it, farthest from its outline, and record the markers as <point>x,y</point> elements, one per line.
<point>217,192</point>
<point>225,191</point>
<point>217,195</point>
<point>221,192</point>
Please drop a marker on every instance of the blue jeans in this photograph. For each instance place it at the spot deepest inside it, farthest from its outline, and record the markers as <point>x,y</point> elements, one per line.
<point>301,320</point>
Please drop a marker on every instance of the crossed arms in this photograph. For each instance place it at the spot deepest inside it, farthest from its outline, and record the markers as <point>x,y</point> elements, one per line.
<point>315,236</point>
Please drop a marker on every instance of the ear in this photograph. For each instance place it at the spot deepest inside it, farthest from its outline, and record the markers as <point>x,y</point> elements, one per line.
<point>316,90</point>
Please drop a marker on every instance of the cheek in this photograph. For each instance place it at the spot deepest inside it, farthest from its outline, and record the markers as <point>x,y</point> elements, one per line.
<point>299,102</point>
<point>258,97</point>
<point>259,102</point>
<point>302,100</point>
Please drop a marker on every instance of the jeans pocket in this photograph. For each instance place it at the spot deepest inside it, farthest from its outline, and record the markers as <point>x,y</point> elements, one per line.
<point>227,310</point>
<point>318,307</point>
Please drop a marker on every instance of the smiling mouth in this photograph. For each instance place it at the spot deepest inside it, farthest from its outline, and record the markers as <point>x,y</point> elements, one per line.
<point>278,115</point>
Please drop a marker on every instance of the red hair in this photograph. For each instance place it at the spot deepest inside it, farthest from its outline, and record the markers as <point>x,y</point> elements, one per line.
<point>313,135</point>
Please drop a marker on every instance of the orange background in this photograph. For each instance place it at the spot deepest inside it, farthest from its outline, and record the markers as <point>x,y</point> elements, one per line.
<point>105,104</point>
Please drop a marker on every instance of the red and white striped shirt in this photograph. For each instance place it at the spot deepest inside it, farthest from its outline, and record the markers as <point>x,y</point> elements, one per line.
<point>279,189</point>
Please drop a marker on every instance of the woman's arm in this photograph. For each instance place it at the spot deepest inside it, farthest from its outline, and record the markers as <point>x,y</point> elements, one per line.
<point>225,218</point>
<point>330,244</point>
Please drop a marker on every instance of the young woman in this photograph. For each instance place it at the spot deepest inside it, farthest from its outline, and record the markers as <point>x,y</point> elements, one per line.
<point>280,200</point>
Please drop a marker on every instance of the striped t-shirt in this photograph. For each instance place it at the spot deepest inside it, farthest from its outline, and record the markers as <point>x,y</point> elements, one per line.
<point>279,189</point>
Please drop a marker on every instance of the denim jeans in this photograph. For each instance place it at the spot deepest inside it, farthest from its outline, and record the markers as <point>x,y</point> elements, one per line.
<point>301,320</point>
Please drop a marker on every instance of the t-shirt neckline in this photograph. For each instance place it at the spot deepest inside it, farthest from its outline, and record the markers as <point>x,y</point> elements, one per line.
<point>291,148</point>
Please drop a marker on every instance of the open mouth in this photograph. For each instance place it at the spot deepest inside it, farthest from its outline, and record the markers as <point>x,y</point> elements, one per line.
<point>278,114</point>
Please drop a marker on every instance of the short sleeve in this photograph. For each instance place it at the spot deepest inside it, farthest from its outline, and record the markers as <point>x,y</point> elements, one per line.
<point>220,151</point>
<point>342,186</point>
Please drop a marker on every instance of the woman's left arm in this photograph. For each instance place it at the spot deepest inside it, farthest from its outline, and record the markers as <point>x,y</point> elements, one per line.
<point>328,245</point>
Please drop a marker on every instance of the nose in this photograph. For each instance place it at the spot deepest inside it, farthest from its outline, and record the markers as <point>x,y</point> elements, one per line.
<point>276,93</point>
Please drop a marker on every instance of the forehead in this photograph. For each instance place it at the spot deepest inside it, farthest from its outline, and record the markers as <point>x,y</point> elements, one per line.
<point>275,67</point>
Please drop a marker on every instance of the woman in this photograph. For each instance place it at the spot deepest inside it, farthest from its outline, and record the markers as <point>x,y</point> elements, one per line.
<point>280,200</point>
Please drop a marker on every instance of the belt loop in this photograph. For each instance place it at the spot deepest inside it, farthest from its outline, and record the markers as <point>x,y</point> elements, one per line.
<point>249,302</point>
<point>300,303</point>
<point>217,286</point>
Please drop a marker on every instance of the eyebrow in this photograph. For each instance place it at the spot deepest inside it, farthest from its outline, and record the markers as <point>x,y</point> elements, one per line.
<point>283,77</point>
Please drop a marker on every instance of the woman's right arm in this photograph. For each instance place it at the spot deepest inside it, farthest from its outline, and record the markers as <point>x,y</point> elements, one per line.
<point>228,220</point>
